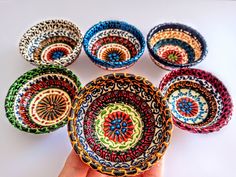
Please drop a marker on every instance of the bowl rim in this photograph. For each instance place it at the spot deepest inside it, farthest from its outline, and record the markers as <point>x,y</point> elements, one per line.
<point>30,33</point>
<point>21,81</point>
<point>83,154</point>
<point>181,26</point>
<point>115,64</point>
<point>220,88</point>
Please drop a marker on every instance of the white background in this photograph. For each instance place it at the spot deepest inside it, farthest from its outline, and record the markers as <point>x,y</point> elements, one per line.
<point>189,155</point>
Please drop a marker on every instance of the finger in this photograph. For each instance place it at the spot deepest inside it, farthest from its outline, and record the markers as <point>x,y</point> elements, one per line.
<point>155,171</point>
<point>94,173</point>
<point>74,167</point>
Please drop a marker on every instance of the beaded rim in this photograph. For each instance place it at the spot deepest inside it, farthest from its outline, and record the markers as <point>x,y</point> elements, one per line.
<point>116,65</point>
<point>35,30</point>
<point>118,171</point>
<point>217,84</point>
<point>165,64</point>
<point>13,91</point>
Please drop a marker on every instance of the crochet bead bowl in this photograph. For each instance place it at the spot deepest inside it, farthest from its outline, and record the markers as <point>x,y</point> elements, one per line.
<point>120,124</point>
<point>114,45</point>
<point>173,45</point>
<point>199,101</point>
<point>40,100</point>
<point>57,42</point>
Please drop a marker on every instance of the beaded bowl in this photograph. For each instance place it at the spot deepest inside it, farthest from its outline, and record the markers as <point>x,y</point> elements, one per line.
<point>114,45</point>
<point>173,45</point>
<point>120,124</point>
<point>40,100</point>
<point>56,42</point>
<point>199,101</point>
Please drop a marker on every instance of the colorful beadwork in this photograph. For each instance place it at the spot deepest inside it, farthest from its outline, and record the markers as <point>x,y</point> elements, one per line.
<point>199,101</point>
<point>49,107</point>
<point>114,45</point>
<point>40,100</point>
<point>120,124</point>
<point>55,42</point>
<point>118,127</point>
<point>173,45</point>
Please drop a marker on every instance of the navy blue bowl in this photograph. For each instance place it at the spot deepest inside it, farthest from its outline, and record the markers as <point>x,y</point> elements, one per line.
<point>114,45</point>
<point>174,45</point>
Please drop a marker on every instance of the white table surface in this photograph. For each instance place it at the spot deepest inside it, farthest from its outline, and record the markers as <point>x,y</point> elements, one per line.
<point>189,155</point>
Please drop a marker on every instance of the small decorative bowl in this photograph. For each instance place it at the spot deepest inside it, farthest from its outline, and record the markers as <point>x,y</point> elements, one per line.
<point>173,45</point>
<point>120,124</point>
<point>199,101</point>
<point>114,45</point>
<point>56,42</point>
<point>40,100</point>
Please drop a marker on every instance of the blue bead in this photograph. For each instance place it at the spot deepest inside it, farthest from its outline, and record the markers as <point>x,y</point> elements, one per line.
<point>123,130</point>
<point>119,120</point>
<point>124,124</point>
<point>57,55</point>
<point>114,121</point>
<point>118,126</point>
<point>117,132</point>
<point>112,128</point>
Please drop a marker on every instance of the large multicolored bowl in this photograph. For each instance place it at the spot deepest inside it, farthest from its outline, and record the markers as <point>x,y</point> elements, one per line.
<point>40,100</point>
<point>114,45</point>
<point>173,45</point>
<point>199,101</point>
<point>56,42</point>
<point>120,124</point>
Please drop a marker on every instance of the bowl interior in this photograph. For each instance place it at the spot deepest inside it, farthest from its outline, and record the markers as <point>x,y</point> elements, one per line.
<point>114,42</point>
<point>192,103</point>
<point>198,100</point>
<point>120,122</point>
<point>176,45</point>
<point>40,100</point>
<point>51,42</point>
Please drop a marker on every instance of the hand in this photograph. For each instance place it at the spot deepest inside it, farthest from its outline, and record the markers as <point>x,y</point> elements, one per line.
<point>74,167</point>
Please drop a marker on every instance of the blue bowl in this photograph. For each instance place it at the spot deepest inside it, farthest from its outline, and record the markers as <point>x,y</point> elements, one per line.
<point>114,45</point>
<point>174,45</point>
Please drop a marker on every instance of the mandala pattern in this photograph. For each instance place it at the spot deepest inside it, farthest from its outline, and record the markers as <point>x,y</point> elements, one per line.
<point>187,107</point>
<point>49,107</point>
<point>132,133</point>
<point>120,124</point>
<point>173,54</point>
<point>208,105</point>
<point>137,143</point>
<point>113,53</point>
<point>51,42</point>
<point>31,97</point>
<point>175,46</point>
<point>118,127</point>
<point>114,45</point>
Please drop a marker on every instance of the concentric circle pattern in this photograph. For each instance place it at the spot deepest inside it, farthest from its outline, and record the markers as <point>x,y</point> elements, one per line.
<point>40,100</point>
<point>56,42</point>
<point>173,45</point>
<point>120,124</point>
<point>116,126</point>
<point>49,107</point>
<point>199,101</point>
<point>114,45</point>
